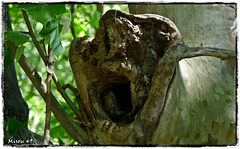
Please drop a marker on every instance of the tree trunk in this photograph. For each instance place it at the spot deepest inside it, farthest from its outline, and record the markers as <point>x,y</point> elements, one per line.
<point>203,98</point>
<point>136,90</point>
<point>14,104</point>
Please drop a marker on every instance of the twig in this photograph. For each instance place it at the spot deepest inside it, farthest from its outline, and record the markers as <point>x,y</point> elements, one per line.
<point>75,91</point>
<point>43,43</point>
<point>50,68</point>
<point>55,79</point>
<point>100,8</point>
<point>223,54</point>
<point>68,124</point>
<point>46,138</point>
<point>76,94</point>
<point>86,120</point>
<point>66,97</point>
<point>73,12</point>
<point>40,51</point>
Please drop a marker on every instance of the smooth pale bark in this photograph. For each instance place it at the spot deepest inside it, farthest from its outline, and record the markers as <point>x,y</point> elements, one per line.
<point>202,104</point>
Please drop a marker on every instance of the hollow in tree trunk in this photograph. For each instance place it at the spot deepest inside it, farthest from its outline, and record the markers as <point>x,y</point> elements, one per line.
<point>129,83</point>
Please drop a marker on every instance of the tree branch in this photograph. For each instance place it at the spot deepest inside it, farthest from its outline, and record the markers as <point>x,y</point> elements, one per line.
<point>73,12</point>
<point>75,91</point>
<point>65,96</point>
<point>43,43</point>
<point>50,68</point>
<point>208,51</point>
<point>40,51</point>
<point>68,124</point>
<point>48,111</point>
<point>55,79</point>
<point>100,8</point>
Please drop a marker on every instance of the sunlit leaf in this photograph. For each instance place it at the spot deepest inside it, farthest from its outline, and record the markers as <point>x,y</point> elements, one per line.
<point>43,12</point>
<point>65,21</point>
<point>17,37</point>
<point>19,52</point>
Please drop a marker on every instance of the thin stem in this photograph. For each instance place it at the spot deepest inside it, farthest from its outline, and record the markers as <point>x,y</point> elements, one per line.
<point>86,120</point>
<point>50,68</point>
<point>66,97</point>
<point>75,91</point>
<point>73,12</point>
<point>44,48</point>
<point>100,8</point>
<point>76,94</point>
<point>40,51</point>
<point>46,138</point>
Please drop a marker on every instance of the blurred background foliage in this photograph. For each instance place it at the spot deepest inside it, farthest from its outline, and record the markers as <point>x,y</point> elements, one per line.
<point>85,18</point>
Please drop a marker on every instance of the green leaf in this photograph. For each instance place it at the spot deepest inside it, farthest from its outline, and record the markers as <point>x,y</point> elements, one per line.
<point>65,21</point>
<point>48,29</point>
<point>17,37</point>
<point>8,58</point>
<point>43,12</point>
<point>19,52</point>
<point>51,30</point>
<point>12,126</point>
<point>56,42</point>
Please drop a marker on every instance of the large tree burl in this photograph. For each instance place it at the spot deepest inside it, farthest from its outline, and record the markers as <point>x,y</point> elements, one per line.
<point>124,74</point>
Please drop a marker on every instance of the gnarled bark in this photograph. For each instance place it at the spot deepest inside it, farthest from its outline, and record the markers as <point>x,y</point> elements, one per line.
<point>126,73</point>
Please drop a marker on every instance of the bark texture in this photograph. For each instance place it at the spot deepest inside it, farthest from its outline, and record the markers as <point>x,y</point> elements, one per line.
<point>129,80</point>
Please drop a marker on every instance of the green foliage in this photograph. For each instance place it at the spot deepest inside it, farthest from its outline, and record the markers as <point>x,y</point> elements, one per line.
<point>49,21</point>
<point>46,14</point>
<point>50,26</point>
<point>65,21</point>
<point>17,37</point>
<point>43,13</point>
<point>52,30</point>
<point>12,126</point>
<point>19,52</point>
